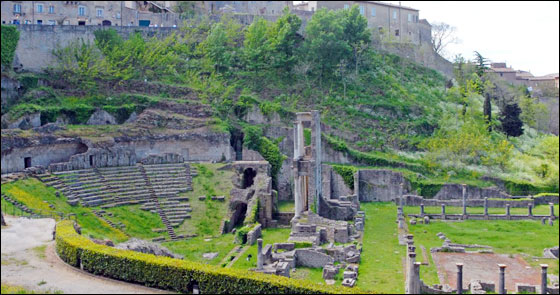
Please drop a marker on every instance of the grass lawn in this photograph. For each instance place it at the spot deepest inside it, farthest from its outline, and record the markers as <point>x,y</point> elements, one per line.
<point>11,289</point>
<point>138,223</point>
<point>381,268</point>
<point>35,195</point>
<point>286,206</point>
<point>207,215</point>
<point>192,249</point>
<point>525,237</point>
<point>538,210</point>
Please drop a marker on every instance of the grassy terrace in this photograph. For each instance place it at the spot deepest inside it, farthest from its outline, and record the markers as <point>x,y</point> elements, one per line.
<point>538,210</point>
<point>527,238</point>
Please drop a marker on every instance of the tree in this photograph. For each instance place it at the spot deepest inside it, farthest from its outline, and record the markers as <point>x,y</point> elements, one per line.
<point>325,45</point>
<point>256,47</point>
<point>488,111</point>
<point>186,9</point>
<point>284,40</point>
<point>481,64</point>
<point>442,35</point>
<point>356,33</point>
<point>511,121</point>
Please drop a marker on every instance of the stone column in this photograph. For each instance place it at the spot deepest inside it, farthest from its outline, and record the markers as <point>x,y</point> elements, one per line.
<point>459,278</point>
<point>300,140</point>
<point>485,206</point>
<point>297,191</point>
<point>543,278</point>
<point>502,280</point>
<point>316,132</point>
<point>410,287</point>
<point>401,193</point>
<point>507,210</point>
<point>442,211</point>
<point>259,254</point>
<point>530,208</point>
<point>464,186</point>
<point>551,209</point>
<point>421,210</point>
<point>295,141</point>
<point>416,272</point>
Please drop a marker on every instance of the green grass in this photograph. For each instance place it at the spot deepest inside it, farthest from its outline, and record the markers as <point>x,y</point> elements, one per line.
<point>527,238</point>
<point>269,236</point>
<point>11,289</point>
<point>286,206</point>
<point>207,215</point>
<point>34,193</point>
<point>538,210</point>
<point>192,249</point>
<point>138,223</point>
<point>381,268</point>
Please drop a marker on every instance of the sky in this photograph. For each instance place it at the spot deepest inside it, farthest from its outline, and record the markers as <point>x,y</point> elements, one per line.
<point>525,35</point>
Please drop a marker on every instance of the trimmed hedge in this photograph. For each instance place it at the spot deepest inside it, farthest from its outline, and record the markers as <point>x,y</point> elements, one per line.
<point>174,274</point>
<point>9,41</point>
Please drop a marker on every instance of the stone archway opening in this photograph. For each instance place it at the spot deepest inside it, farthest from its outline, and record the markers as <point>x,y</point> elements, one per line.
<point>236,142</point>
<point>239,213</point>
<point>248,177</point>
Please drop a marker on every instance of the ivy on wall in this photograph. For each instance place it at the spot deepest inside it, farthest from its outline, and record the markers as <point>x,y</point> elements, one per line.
<point>10,38</point>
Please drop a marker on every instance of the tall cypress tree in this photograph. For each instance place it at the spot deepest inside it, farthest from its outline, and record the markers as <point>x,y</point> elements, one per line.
<point>511,122</point>
<point>488,111</point>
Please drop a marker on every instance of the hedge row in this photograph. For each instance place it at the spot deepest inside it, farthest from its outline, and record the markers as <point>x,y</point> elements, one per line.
<point>174,274</point>
<point>367,158</point>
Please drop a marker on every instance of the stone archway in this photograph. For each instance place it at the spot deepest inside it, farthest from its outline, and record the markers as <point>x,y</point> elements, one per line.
<point>248,177</point>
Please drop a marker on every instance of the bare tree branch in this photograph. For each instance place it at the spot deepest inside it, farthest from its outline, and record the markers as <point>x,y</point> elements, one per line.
<point>442,35</point>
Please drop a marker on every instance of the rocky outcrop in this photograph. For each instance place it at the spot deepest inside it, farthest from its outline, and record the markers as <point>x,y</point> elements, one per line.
<point>147,247</point>
<point>25,122</point>
<point>101,117</point>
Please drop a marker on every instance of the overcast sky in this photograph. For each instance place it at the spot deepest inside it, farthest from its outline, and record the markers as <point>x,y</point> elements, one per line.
<point>523,34</point>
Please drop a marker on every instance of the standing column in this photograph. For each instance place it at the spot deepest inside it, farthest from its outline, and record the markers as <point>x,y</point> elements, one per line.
<point>421,210</point>
<point>416,275</point>
<point>259,254</point>
<point>459,278</point>
<point>318,157</point>
<point>485,206</point>
<point>410,287</point>
<point>401,194</point>
<point>507,210</point>
<point>530,208</point>
<point>464,186</point>
<point>301,140</point>
<point>295,173</point>
<point>502,281</point>
<point>543,278</point>
<point>551,209</point>
<point>442,211</point>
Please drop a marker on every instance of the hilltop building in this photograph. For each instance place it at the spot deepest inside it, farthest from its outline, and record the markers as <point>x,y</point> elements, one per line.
<point>82,13</point>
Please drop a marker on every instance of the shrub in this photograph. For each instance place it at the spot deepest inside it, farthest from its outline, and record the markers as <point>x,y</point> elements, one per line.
<point>174,274</point>
<point>9,39</point>
<point>347,174</point>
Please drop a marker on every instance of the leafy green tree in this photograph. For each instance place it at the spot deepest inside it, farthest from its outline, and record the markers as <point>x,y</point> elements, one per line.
<point>532,110</point>
<point>107,40</point>
<point>356,32</point>
<point>325,45</point>
<point>216,48</point>
<point>256,48</point>
<point>511,122</point>
<point>284,40</point>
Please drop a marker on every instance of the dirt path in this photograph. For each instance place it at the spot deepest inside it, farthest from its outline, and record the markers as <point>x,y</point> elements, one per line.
<point>29,260</point>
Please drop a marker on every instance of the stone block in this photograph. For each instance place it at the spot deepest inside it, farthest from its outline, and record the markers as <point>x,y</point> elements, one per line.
<point>412,221</point>
<point>284,246</point>
<point>350,274</point>
<point>348,282</point>
<point>329,272</point>
<point>525,288</point>
<point>312,258</point>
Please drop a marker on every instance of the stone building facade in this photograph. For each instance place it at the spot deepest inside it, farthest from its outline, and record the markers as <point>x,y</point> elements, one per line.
<point>399,22</point>
<point>90,13</point>
<point>247,7</point>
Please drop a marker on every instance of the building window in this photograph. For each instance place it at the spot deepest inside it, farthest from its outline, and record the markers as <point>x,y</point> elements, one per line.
<point>99,12</point>
<point>409,17</point>
<point>362,10</point>
<point>39,21</point>
<point>397,32</point>
<point>346,6</point>
<point>373,11</point>
<point>81,10</point>
<point>51,9</point>
<point>17,8</point>
<point>16,22</point>
<point>39,8</point>
<point>395,14</point>
<point>118,15</point>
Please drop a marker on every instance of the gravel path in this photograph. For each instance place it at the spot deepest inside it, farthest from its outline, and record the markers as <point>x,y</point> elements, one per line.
<point>24,265</point>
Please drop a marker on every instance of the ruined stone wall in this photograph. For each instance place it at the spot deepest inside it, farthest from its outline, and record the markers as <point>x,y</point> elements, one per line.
<point>195,147</point>
<point>380,185</point>
<point>451,191</point>
<point>36,42</point>
<point>333,184</point>
<point>41,155</point>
